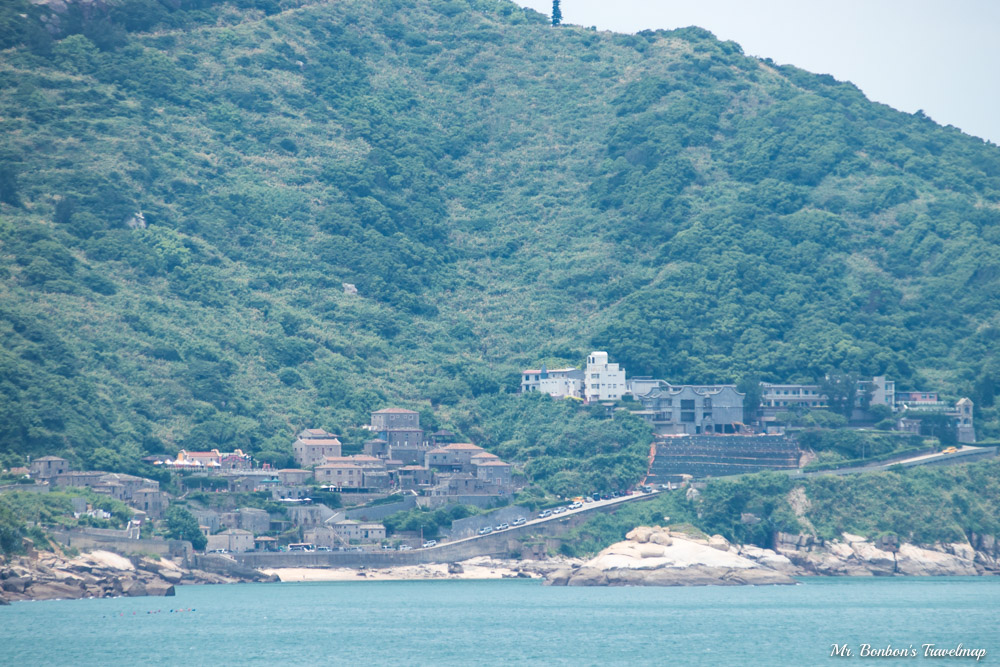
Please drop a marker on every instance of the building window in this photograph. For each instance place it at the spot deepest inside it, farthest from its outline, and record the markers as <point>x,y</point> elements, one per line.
<point>687,404</point>
<point>687,417</point>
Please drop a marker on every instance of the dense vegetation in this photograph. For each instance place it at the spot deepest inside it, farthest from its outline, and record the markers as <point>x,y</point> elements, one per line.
<point>23,514</point>
<point>921,505</point>
<point>185,187</point>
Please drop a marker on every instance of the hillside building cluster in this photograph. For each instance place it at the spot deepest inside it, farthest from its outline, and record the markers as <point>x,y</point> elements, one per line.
<point>720,409</point>
<point>402,457</point>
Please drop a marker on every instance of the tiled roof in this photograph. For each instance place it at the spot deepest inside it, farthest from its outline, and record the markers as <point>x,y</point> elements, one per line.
<point>493,463</point>
<point>338,466</point>
<point>466,446</point>
<point>395,411</point>
<point>320,441</point>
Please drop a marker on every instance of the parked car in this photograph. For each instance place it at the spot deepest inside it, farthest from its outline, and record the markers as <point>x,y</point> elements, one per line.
<point>575,506</point>
<point>502,526</point>
<point>519,521</point>
<point>544,514</point>
<point>559,510</point>
<point>485,530</point>
<point>405,547</point>
<point>322,548</point>
<point>387,547</point>
<point>430,543</point>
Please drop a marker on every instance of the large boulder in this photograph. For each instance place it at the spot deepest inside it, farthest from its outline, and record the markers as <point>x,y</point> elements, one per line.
<point>558,578</point>
<point>875,560</point>
<point>134,588</point>
<point>588,576</point>
<point>160,589</point>
<point>913,560</point>
<point>651,556</point>
<point>15,584</point>
<point>718,542</point>
<point>54,590</point>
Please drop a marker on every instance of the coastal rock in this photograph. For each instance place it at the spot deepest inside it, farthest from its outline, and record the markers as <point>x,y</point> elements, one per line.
<point>588,576</point>
<point>768,558</point>
<point>160,589</point>
<point>643,560</point>
<point>134,588</point>
<point>15,584</point>
<point>640,534</point>
<point>718,542</point>
<point>558,578</point>
<point>173,576</point>
<point>912,560</point>
<point>877,561</point>
<point>54,591</point>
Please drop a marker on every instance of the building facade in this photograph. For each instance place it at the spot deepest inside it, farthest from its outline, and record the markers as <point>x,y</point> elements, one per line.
<point>693,409</point>
<point>603,381</point>
<point>313,445</point>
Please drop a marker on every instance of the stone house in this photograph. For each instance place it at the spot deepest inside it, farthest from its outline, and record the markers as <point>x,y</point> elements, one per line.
<point>494,472</point>
<point>390,419</point>
<point>400,428</point>
<point>78,478</point>
<point>151,501</point>
<point>233,540</point>
<point>358,531</point>
<point>323,536</point>
<point>47,467</point>
<point>340,475</point>
<point>412,478</point>
<point>293,476</point>
<point>313,445</point>
<point>377,447</point>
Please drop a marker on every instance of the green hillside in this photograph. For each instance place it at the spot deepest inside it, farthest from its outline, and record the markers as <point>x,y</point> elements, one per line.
<point>499,191</point>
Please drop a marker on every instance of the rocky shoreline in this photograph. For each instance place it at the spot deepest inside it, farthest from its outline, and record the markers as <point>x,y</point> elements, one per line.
<point>656,556</point>
<point>45,575</point>
<point>649,556</point>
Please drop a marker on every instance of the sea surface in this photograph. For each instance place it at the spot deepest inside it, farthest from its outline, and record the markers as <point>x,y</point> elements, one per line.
<point>510,622</point>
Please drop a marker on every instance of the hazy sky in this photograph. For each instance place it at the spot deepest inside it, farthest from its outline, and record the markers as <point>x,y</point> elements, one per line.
<point>936,55</point>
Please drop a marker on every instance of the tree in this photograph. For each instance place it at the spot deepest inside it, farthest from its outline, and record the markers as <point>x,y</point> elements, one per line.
<point>181,525</point>
<point>753,394</point>
<point>8,186</point>
<point>840,390</point>
<point>556,13</point>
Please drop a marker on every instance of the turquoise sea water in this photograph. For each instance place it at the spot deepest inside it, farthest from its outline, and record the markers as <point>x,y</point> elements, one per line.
<point>509,622</point>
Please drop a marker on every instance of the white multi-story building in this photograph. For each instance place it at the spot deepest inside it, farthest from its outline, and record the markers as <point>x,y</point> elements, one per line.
<point>559,382</point>
<point>603,381</point>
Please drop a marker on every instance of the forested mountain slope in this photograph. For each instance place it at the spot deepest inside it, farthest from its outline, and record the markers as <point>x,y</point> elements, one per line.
<point>499,191</point>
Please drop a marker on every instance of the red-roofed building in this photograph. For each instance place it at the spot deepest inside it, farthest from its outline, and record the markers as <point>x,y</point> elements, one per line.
<point>313,445</point>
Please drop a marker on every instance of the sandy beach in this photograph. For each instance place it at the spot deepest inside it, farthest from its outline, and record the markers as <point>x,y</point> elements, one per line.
<point>482,567</point>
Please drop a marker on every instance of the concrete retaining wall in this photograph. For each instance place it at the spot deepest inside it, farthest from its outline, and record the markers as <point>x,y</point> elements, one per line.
<point>120,544</point>
<point>379,512</point>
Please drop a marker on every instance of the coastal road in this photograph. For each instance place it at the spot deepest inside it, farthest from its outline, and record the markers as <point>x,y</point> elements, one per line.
<point>596,506</point>
<point>493,544</point>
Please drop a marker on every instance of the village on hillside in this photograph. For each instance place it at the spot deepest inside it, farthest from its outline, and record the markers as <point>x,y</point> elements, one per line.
<point>336,502</point>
